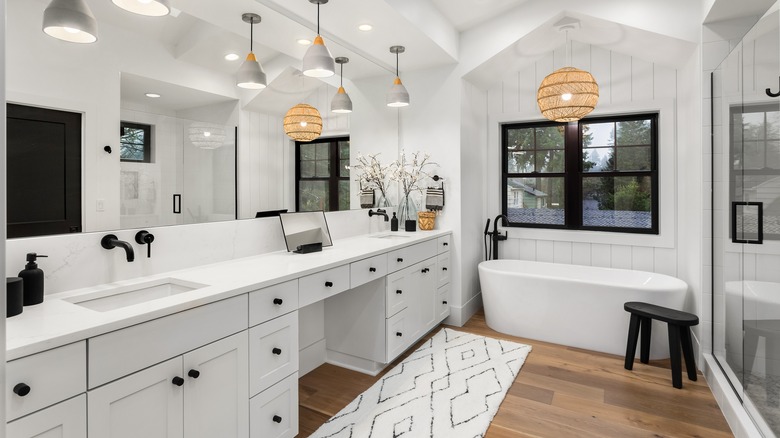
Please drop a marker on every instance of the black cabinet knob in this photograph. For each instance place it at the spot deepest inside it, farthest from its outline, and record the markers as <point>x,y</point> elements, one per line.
<point>399,292</point>
<point>278,301</point>
<point>425,270</point>
<point>443,269</point>
<point>277,351</point>
<point>399,260</point>
<point>446,244</point>
<point>371,269</point>
<point>277,419</point>
<point>21,389</point>
<point>178,381</point>
<point>399,334</point>
<point>194,374</point>
<point>444,302</point>
<point>328,284</point>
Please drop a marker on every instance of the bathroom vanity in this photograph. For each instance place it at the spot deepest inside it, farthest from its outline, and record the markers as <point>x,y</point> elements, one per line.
<point>213,351</point>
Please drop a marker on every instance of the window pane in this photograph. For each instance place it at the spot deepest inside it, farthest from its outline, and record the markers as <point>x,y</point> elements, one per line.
<point>308,151</point>
<point>344,150</point>
<point>307,169</point>
<point>773,125</point>
<point>313,196</point>
<point>550,137</point>
<point>343,195</point>
<point>633,158</point>
<point>520,139</point>
<point>323,151</point>
<point>753,126</point>
<point>322,168</point>
<point>753,155</point>
<point>343,168</point>
<point>535,200</point>
<point>521,162</point>
<point>598,159</point>
<point>773,154</point>
<point>617,202</point>
<point>634,132</point>
<point>598,134</point>
<point>132,144</point>
<point>550,161</point>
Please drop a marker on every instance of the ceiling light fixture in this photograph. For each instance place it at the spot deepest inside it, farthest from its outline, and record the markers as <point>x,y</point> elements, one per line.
<point>567,94</point>
<point>207,135</point>
<point>70,20</point>
<point>151,8</point>
<point>365,27</point>
<point>318,62</point>
<point>250,74</point>
<point>304,42</point>
<point>232,57</point>
<point>152,95</point>
<point>398,96</point>
<point>341,102</point>
<point>303,123</point>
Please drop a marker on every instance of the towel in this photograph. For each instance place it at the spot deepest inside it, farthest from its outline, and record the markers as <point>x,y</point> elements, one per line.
<point>366,198</point>
<point>434,198</point>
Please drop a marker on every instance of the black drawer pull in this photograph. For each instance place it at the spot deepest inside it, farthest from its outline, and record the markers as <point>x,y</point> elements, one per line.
<point>399,260</point>
<point>178,381</point>
<point>328,284</point>
<point>371,269</point>
<point>444,302</point>
<point>277,351</point>
<point>446,244</point>
<point>278,301</point>
<point>277,419</point>
<point>21,389</point>
<point>399,334</point>
<point>194,374</point>
<point>399,291</point>
<point>443,269</point>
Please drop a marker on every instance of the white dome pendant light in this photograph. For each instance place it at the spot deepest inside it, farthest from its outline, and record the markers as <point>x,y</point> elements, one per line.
<point>398,96</point>
<point>318,62</point>
<point>341,102</point>
<point>150,8</point>
<point>70,20</point>
<point>250,74</point>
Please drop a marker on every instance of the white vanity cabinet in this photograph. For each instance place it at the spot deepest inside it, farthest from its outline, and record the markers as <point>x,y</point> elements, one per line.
<point>67,419</point>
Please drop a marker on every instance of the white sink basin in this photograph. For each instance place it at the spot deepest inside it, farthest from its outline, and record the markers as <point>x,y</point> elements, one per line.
<point>391,236</point>
<point>123,296</point>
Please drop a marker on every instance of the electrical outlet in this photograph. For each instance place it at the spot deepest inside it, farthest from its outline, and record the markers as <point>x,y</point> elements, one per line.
<point>101,205</point>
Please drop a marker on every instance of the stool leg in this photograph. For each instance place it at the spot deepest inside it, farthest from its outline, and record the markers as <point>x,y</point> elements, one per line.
<point>644,353</point>
<point>633,334</point>
<point>687,349</point>
<point>674,355</point>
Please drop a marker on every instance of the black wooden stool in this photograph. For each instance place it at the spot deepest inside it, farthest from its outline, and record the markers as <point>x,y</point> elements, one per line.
<point>679,324</point>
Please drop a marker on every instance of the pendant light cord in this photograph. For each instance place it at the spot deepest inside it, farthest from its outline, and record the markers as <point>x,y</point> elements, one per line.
<point>251,35</point>
<point>341,81</point>
<point>318,18</point>
<point>396,65</point>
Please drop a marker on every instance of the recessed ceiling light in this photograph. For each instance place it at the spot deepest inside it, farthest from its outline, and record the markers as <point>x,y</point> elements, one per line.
<point>304,42</point>
<point>365,27</point>
<point>232,57</point>
<point>152,95</point>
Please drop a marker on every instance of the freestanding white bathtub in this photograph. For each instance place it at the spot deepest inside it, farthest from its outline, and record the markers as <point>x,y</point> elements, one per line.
<point>578,306</point>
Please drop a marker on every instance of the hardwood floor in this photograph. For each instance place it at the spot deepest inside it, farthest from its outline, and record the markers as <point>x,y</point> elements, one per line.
<point>560,392</point>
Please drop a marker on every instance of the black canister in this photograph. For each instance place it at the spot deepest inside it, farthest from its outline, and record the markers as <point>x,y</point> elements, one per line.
<point>14,301</point>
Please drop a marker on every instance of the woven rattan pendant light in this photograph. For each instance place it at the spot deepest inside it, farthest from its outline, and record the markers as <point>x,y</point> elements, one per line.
<point>567,94</point>
<point>303,123</point>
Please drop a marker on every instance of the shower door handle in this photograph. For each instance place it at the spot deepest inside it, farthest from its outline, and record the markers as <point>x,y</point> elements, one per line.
<point>759,222</point>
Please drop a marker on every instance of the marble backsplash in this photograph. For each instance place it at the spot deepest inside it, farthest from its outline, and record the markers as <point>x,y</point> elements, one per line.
<point>77,260</point>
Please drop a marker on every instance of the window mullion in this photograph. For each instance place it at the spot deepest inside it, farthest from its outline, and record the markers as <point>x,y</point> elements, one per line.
<point>573,152</point>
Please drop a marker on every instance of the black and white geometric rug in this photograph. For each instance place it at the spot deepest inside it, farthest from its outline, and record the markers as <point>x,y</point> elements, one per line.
<point>450,387</point>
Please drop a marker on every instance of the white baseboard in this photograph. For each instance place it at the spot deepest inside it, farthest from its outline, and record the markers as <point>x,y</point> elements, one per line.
<point>353,363</point>
<point>736,416</point>
<point>460,315</point>
<point>311,357</point>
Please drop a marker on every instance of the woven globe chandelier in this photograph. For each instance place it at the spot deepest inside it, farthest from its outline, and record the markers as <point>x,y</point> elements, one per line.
<point>303,123</point>
<point>567,94</point>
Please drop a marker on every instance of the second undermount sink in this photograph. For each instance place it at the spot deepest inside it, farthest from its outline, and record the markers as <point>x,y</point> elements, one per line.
<point>128,295</point>
<point>391,236</point>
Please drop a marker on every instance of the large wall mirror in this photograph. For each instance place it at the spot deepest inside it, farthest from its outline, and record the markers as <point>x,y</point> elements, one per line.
<point>213,151</point>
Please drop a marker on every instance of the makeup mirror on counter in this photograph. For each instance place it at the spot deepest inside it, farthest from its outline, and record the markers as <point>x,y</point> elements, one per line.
<point>172,75</point>
<point>305,230</point>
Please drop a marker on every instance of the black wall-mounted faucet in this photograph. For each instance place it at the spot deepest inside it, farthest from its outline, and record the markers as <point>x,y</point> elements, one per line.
<point>110,241</point>
<point>379,212</point>
<point>144,237</point>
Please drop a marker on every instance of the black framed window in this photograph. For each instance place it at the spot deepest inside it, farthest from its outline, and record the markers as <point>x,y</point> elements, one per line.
<point>596,174</point>
<point>322,174</point>
<point>135,142</point>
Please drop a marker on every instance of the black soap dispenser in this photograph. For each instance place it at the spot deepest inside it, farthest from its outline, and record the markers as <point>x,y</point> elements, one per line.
<point>394,223</point>
<point>33,280</point>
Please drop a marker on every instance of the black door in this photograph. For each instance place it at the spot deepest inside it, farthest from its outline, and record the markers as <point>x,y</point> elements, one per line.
<point>43,171</point>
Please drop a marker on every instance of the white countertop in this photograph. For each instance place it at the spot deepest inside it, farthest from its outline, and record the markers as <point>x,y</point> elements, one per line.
<point>57,322</point>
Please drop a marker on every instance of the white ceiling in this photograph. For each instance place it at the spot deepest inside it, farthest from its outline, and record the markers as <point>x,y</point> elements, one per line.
<point>730,9</point>
<point>172,98</point>
<point>465,14</point>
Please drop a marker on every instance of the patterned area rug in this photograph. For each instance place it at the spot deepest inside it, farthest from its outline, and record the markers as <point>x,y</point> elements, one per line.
<point>450,387</point>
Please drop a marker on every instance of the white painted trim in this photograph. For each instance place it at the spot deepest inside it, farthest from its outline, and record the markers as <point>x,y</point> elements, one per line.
<point>354,363</point>
<point>460,315</point>
<point>740,423</point>
<point>311,357</point>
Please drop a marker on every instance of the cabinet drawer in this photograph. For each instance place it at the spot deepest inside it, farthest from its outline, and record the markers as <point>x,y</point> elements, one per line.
<point>68,418</point>
<point>124,351</point>
<point>45,378</point>
<point>443,302</point>
<point>398,293</point>
<point>272,302</point>
<point>443,267</point>
<point>370,269</point>
<point>444,243</point>
<point>273,352</point>
<point>399,334</point>
<point>274,412</point>
<point>404,257</point>
<point>316,287</point>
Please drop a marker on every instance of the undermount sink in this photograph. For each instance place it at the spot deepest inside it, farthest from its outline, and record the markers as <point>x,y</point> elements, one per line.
<point>391,236</point>
<point>123,296</point>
